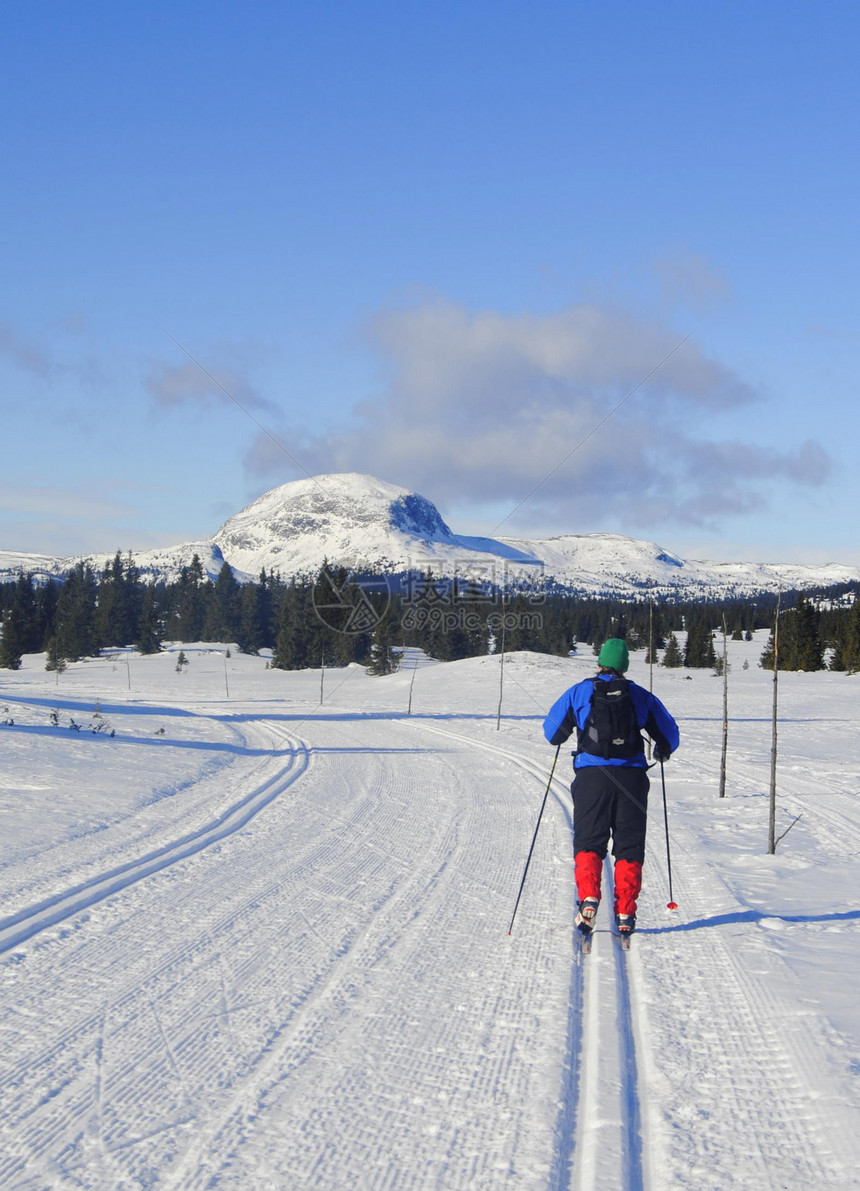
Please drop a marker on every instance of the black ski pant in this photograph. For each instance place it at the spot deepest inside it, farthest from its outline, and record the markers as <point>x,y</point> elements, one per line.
<point>610,800</point>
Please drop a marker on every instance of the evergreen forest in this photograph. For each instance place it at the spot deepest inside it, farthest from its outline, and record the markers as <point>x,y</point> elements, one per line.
<point>337,618</point>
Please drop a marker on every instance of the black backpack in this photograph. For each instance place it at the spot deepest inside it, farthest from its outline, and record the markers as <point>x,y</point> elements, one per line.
<point>611,730</point>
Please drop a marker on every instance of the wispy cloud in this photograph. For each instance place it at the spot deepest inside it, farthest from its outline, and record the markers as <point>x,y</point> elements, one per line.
<point>63,503</point>
<point>171,385</point>
<point>59,361</point>
<point>93,516</point>
<point>690,280</point>
<point>23,352</point>
<point>480,407</point>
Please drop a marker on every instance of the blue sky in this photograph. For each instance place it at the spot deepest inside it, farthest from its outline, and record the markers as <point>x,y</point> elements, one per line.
<point>436,243</point>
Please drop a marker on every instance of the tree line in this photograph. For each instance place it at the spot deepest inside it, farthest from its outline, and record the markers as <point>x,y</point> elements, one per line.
<point>337,618</point>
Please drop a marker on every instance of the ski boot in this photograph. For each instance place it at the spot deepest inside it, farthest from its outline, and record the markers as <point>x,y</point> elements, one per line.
<point>626,924</point>
<point>584,920</point>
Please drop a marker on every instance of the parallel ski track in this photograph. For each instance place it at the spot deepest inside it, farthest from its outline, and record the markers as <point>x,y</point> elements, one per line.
<point>730,1057</point>
<point>140,1089</point>
<point>813,805</point>
<point>29,921</point>
<point>37,1133</point>
<point>180,1105</point>
<point>601,1130</point>
<point>320,1022</point>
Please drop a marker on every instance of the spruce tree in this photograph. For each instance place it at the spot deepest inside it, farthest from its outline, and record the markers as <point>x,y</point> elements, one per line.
<point>699,652</point>
<point>672,658</point>
<point>11,639</point>
<point>148,639</point>
<point>75,619</point>
<point>221,622</point>
<point>837,657</point>
<point>45,612</point>
<point>300,640</point>
<point>344,643</point>
<point>804,650</point>
<point>251,636</point>
<point>190,606</point>
<point>25,604</point>
<point>288,653</point>
<point>523,625</point>
<point>851,638</point>
<point>134,592</point>
<point>383,659</point>
<point>20,628</point>
<point>54,659</point>
<point>115,622</point>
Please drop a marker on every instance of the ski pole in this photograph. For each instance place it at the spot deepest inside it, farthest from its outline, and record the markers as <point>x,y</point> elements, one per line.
<point>534,839</point>
<point>671,904</point>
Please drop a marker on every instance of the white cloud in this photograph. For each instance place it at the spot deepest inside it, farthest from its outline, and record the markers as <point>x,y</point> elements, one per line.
<point>482,407</point>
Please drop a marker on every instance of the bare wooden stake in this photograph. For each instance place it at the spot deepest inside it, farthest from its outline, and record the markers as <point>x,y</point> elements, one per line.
<point>725,710</point>
<point>771,835</point>
<point>412,683</point>
<point>501,671</point>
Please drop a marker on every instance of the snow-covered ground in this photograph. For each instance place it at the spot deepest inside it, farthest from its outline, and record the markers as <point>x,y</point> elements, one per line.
<point>254,940</point>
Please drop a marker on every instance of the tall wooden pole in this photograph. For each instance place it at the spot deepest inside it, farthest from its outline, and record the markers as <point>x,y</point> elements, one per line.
<point>771,834</point>
<point>412,683</point>
<point>501,671</point>
<point>725,710</point>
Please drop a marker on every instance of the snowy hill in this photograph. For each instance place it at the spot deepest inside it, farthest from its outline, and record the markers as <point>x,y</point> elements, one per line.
<point>366,524</point>
<point>610,564</point>
<point>354,521</point>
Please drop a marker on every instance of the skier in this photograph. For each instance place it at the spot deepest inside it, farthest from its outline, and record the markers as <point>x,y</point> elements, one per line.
<point>610,786</point>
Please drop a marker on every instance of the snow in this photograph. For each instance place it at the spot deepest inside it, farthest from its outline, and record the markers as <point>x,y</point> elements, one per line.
<point>366,524</point>
<point>256,940</point>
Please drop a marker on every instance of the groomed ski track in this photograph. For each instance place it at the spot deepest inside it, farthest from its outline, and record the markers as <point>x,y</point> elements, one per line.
<point>598,1137</point>
<point>314,987</point>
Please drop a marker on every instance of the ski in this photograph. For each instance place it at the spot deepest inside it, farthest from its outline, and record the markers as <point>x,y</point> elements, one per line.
<point>585,943</point>
<point>624,940</point>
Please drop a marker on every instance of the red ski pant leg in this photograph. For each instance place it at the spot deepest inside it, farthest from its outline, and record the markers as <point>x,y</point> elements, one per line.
<point>587,867</point>
<point>628,883</point>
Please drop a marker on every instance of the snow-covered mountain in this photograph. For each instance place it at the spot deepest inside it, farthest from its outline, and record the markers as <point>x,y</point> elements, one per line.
<point>354,521</point>
<point>160,563</point>
<point>366,524</point>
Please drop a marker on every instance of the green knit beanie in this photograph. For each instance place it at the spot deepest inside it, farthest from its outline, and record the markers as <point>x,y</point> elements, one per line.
<point>614,655</point>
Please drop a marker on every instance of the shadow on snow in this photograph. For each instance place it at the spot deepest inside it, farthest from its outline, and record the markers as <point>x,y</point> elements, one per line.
<point>748,916</point>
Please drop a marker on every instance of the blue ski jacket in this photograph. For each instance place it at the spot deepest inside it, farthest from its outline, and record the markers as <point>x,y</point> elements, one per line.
<point>572,710</point>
